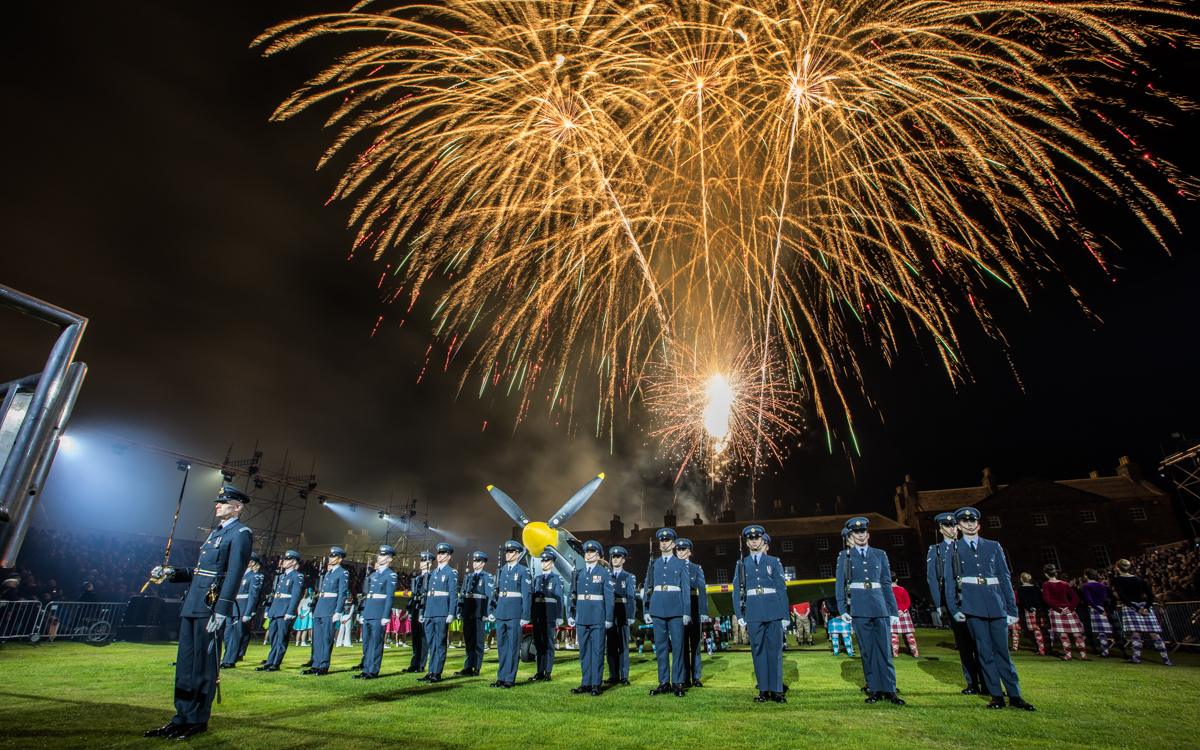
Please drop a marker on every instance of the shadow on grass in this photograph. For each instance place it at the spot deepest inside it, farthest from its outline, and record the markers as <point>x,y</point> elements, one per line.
<point>943,670</point>
<point>852,673</point>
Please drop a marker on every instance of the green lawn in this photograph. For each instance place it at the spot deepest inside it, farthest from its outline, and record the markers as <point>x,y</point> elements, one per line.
<point>73,695</point>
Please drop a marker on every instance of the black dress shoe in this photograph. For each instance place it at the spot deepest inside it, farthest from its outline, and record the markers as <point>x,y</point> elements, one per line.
<point>463,673</point>
<point>778,698</point>
<point>697,683</point>
<point>166,730</point>
<point>307,663</point>
<point>762,697</point>
<point>894,699</point>
<point>357,666</point>
<point>872,698</point>
<point>620,682</point>
<point>321,671</point>
<point>1021,703</point>
<point>263,661</point>
<point>997,702</point>
<point>263,668</point>
<point>970,690</point>
<point>427,677</point>
<point>496,684</point>
<point>228,666</point>
<point>506,685</point>
<point>310,670</point>
<point>187,731</point>
<point>595,690</point>
<point>679,691</point>
<point>580,690</point>
<point>662,688</point>
<point>435,677</point>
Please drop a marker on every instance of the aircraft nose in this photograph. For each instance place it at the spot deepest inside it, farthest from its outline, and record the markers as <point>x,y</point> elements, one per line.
<point>536,535</point>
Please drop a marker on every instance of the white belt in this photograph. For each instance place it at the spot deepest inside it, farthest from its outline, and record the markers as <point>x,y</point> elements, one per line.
<point>325,594</point>
<point>590,597</point>
<point>544,598</point>
<point>437,593</point>
<point>510,593</point>
<point>667,588</point>
<point>377,596</point>
<point>864,585</point>
<point>475,596</point>
<point>203,572</point>
<point>283,596</point>
<point>243,596</point>
<point>982,581</point>
<point>619,599</point>
<point>758,591</point>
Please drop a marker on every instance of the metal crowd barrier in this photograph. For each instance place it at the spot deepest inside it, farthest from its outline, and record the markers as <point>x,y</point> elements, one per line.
<point>93,622</point>
<point>19,620</point>
<point>1181,623</point>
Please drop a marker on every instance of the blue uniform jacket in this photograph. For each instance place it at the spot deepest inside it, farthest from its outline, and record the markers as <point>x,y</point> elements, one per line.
<point>699,587</point>
<point>379,593</point>
<point>624,595</point>
<point>285,594</point>
<point>547,593</point>
<point>248,592</point>
<point>512,600</point>
<point>872,570</point>
<point>223,559</point>
<point>418,588</point>
<point>673,601</point>
<point>592,596</point>
<point>476,591</point>
<point>935,563</point>
<point>765,576</point>
<point>980,597</point>
<point>441,593</point>
<point>335,587</point>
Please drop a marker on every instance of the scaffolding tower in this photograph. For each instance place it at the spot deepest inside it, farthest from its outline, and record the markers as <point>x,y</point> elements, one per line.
<point>1183,468</point>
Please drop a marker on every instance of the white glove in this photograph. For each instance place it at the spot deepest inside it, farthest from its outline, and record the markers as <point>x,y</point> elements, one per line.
<point>607,624</point>
<point>741,622</point>
<point>960,617</point>
<point>215,622</point>
<point>491,618</point>
<point>449,619</point>
<point>289,618</point>
<point>785,623</point>
<point>246,618</point>
<point>383,621</point>
<point>558,623</point>
<point>1010,620</point>
<point>630,623</point>
<point>704,618</point>
<point>571,621</point>
<point>845,617</point>
<point>649,620</point>
<point>162,572</point>
<point>524,623</point>
<point>421,619</point>
<point>894,620</point>
<point>687,619</point>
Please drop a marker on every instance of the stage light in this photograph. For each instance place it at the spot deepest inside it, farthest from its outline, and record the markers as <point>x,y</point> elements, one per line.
<point>258,483</point>
<point>383,516</point>
<point>321,499</point>
<point>303,494</point>
<point>312,481</point>
<point>68,445</point>
<point>181,465</point>
<point>226,475</point>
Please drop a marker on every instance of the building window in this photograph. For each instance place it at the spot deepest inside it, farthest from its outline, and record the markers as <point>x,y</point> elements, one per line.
<point>1039,519</point>
<point>788,545</point>
<point>993,522</point>
<point>1087,516</point>
<point>1100,556</point>
<point>826,570</point>
<point>902,570</point>
<point>1050,555</point>
<point>897,540</point>
<point>1137,514</point>
<point>778,504</point>
<point>789,572</point>
<point>722,550</point>
<point>822,545</point>
<point>722,575</point>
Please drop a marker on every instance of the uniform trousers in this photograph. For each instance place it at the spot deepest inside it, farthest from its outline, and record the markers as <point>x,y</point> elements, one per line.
<point>277,636</point>
<point>372,646</point>
<point>591,653</point>
<point>473,642</point>
<point>435,638</point>
<point>968,656</point>
<point>668,649</point>
<point>420,651</point>
<point>544,634</point>
<point>991,643</point>
<point>875,644</point>
<point>616,643</point>
<point>195,671</point>
<point>691,644</point>
<point>233,636</point>
<point>323,631</point>
<point>766,650</point>
<point>508,649</point>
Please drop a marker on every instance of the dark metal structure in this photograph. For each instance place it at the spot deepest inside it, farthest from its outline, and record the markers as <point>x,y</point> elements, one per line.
<point>1184,471</point>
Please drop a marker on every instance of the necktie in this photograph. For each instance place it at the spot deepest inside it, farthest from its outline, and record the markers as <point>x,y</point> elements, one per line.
<point>972,545</point>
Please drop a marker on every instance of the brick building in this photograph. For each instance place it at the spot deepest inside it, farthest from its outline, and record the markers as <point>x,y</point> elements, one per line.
<point>1073,523</point>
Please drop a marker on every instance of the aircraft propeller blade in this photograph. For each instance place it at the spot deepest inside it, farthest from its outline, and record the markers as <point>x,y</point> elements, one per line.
<point>563,567</point>
<point>508,505</point>
<point>572,506</point>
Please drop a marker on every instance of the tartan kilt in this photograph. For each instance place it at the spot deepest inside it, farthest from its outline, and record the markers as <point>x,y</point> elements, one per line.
<point>1101,625</point>
<point>905,625</point>
<point>1065,622</point>
<point>1031,620</point>
<point>836,627</point>
<point>1132,620</point>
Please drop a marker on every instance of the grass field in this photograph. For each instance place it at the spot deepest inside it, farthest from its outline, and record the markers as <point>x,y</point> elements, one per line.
<point>61,695</point>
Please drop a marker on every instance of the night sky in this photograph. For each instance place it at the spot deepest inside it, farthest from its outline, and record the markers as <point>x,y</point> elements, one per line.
<point>147,191</point>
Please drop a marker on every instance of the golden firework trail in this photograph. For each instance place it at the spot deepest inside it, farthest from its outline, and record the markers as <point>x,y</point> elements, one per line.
<point>600,192</point>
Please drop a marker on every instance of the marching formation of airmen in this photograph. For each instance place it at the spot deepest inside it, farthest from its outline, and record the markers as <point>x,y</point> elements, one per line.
<point>967,574</point>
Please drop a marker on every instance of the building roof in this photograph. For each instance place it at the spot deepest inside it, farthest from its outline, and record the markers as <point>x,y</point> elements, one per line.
<point>778,528</point>
<point>1110,488</point>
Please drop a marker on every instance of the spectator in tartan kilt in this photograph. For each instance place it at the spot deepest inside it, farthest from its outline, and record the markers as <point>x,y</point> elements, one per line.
<point>1096,596</point>
<point>1029,599</point>
<point>1061,601</point>
<point>905,625</point>
<point>1137,617</point>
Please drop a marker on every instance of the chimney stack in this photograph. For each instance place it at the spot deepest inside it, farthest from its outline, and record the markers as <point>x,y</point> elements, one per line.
<point>616,529</point>
<point>1093,474</point>
<point>726,516</point>
<point>989,482</point>
<point>669,519</point>
<point>1128,469</point>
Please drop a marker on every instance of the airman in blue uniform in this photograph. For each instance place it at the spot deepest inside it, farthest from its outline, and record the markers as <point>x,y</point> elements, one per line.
<point>415,604</point>
<point>694,632</point>
<point>210,601</point>
<point>979,593</point>
<point>591,615</point>
<point>668,608</point>
<point>760,604</point>
<point>331,600</point>
<point>237,631</point>
<point>616,641</point>
<point>864,596</point>
<point>285,599</point>
<point>510,611</point>
<point>547,615</point>
<point>379,591</point>
<point>441,607</point>
<point>475,592</point>
<point>935,564</point>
